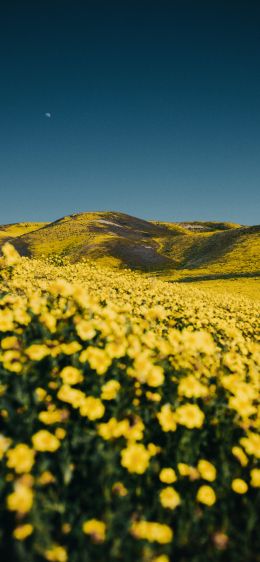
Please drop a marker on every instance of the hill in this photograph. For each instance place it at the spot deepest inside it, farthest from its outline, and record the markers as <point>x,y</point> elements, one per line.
<point>179,251</point>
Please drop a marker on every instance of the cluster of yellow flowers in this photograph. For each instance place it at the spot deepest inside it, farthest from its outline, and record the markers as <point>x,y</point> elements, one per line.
<point>129,415</point>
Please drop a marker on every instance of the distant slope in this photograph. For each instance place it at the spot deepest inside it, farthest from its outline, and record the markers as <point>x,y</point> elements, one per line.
<point>182,251</point>
<point>115,238</point>
<point>227,252</point>
<point>9,231</point>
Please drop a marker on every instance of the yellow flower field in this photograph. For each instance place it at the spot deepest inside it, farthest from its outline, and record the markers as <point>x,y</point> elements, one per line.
<point>129,417</point>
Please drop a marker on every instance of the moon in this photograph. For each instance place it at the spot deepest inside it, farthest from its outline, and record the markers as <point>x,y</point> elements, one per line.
<point>48,115</point>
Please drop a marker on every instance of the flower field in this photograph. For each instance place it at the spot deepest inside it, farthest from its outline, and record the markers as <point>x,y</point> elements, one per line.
<point>129,420</point>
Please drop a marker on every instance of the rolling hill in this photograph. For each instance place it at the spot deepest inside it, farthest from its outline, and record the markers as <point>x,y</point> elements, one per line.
<point>179,251</point>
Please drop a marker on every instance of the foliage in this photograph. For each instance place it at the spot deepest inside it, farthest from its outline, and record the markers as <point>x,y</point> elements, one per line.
<point>128,417</point>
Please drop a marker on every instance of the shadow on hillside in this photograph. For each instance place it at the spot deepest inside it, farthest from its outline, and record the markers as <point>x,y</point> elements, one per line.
<point>213,277</point>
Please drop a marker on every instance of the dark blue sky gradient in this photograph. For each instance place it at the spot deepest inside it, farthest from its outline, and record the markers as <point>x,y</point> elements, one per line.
<point>155,109</point>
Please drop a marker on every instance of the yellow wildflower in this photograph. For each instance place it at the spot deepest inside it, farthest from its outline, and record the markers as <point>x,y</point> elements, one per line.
<point>110,390</point>
<point>4,444</point>
<point>21,458</point>
<point>190,471</point>
<point>152,532</point>
<point>46,478</point>
<point>97,358</point>
<point>190,387</point>
<point>50,417</point>
<point>167,418</point>
<point>10,342</point>
<point>40,393</point>
<point>60,433</point>
<point>21,500</point>
<point>206,495</point>
<point>119,489</point>
<point>43,441</point>
<point>240,455</point>
<point>92,408</point>
<point>71,375</point>
<point>95,528</point>
<point>168,476</point>
<point>85,330</point>
<point>190,415</point>
<point>255,477</point>
<point>207,470</point>
<point>169,497</point>
<point>135,458</point>
<point>23,531</point>
<point>239,486</point>
<point>56,554</point>
<point>251,444</point>
<point>10,254</point>
<point>36,352</point>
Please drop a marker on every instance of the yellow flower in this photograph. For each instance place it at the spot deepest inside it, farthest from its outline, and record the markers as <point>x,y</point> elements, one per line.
<point>119,489</point>
<point>240,455</point>
<point>6,320</point>
<point>12,361</point>
<point>113,429</point>
<point>51,417</point>
<point>36,352</point>
<point>190,416</point>
<point>152,532</point>
<point>21,458</point>
<point>43,441</point>
<point>56,554</point>
<point>168,475</point>
<point>4,444</point>
<point>10,254</point>
<point>71,347</point>
<point>95,528</point>
<point>207,470</point>
<point>186,470</point>
<point>97,358</point>
<point>92,408</point>
<point>134,430</point>
<point>167,418</point>
<point>21,500</point>
<point>85,330</point>
<point>153,449</point>
<point>10,342</point>
<point>71,375</point>
<point>135,458</point>
<point>46,478</point>
<point>169,498</point>
<point>60,433</point>
<point>251,444</point>
<point>23,531</point>
<point>155,376</point>
<point>72,396</point>
<point>110,390</point>
<point>255,477</point>
<point>153,396</point>
<point>190,387</point>
<point>40,393</point>
<point>239,486</point>
<point>206,495</point>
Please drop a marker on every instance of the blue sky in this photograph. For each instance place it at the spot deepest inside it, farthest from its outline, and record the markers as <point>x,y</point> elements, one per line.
<point>146,107</point>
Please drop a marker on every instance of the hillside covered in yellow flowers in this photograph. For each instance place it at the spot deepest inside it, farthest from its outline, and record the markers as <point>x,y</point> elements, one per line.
<point>203,250</point>
<point>129,415</point>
